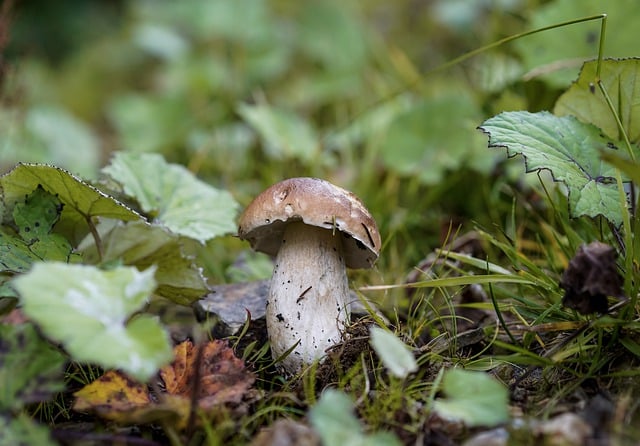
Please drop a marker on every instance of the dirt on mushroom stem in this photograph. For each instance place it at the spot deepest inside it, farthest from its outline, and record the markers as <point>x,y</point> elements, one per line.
<point>308,294</point>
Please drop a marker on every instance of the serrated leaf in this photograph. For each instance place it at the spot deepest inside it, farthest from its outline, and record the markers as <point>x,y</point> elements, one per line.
<point>22,430</point>
<point>474,398</point>
<point>174,196</point>
<point>30,368</point>
<point>88,311</point>
<point>284,134</point>
<point>81,200</point>
<point>35,218</point>
<point>395,355</point>
<point>142,245</point>
<point>585,101</point>
<point>15,255</point>
<point>333,419</point>
<point>569,149</point>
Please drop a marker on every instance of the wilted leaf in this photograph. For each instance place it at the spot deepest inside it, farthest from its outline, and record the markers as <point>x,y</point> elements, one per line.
<point>284,134</point>
<point>88,310</point>
<point>142,245</point>
<point>81,201</point>
<point>113,394</point>
<point>333,419</point>
<point>584,100</point>
<point>474,398</point>
<point>22,430</point>
<point>30,368</point>
<point>591,276</point>
<point>174,196</point>
<point>223,377</point>
<point>569,149</point>
<point>395,355</point>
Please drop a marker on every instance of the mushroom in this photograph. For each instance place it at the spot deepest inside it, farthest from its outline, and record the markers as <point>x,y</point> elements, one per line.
<point>315,229</point>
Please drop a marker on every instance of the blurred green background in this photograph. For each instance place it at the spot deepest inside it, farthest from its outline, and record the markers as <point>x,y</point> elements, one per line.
<point>248,92</point>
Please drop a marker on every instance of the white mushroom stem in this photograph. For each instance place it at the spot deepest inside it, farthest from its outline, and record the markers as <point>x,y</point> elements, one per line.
<point>307,300</point>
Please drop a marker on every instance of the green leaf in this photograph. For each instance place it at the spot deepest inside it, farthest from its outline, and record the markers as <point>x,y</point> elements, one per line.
<point>556,55</point>
<point>630,168</point>
<point>474,398</point>
<point>35,218</point>
<point>325,26</point>
<point>15,255</point>
<point>630,345</point>
<point>22,430</point>
<point>420,142</point>
<point>393,352</point>
<point>174,196</point>
<point>149,123</point>
<point>333,419</point>
<point>69,142</point>
<point>585,101</point>
<point>142,245</point>
<point>88,311</point>
<point>284,134</point>
<point>30,368</point>
<point>82,202</point>
<point>569,149</point>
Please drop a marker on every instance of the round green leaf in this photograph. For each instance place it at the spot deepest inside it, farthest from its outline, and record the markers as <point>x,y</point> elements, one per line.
<point>473,397</point>
<point>174,196</point>
<point>88,311</point>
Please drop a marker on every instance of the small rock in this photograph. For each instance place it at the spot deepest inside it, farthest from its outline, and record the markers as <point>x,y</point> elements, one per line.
<point>285,432</point>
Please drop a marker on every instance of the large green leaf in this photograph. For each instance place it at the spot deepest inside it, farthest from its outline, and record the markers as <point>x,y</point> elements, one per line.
<point>556,55</point>
<point>333,419</point>
<point>174,196</point>
<point>82,202</point>
<point>89,311</point>
<point>143,245</point>
<point>30,368</point>
<point>474,398</point>
<point>569,149</point>
<point>283,133</point>
<point>585,101</point>
<point>433,137</point>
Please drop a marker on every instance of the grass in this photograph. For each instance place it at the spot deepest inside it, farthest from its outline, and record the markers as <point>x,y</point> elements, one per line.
<point>492,303</point>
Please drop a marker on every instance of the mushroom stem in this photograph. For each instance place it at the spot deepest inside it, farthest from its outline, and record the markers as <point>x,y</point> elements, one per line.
<point>307,301</point>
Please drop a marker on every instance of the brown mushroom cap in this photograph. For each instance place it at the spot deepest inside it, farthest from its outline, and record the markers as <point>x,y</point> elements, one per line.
<point>318,203</point>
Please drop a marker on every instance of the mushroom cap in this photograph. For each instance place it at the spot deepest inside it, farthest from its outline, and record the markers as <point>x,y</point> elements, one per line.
<point>318,203</point>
